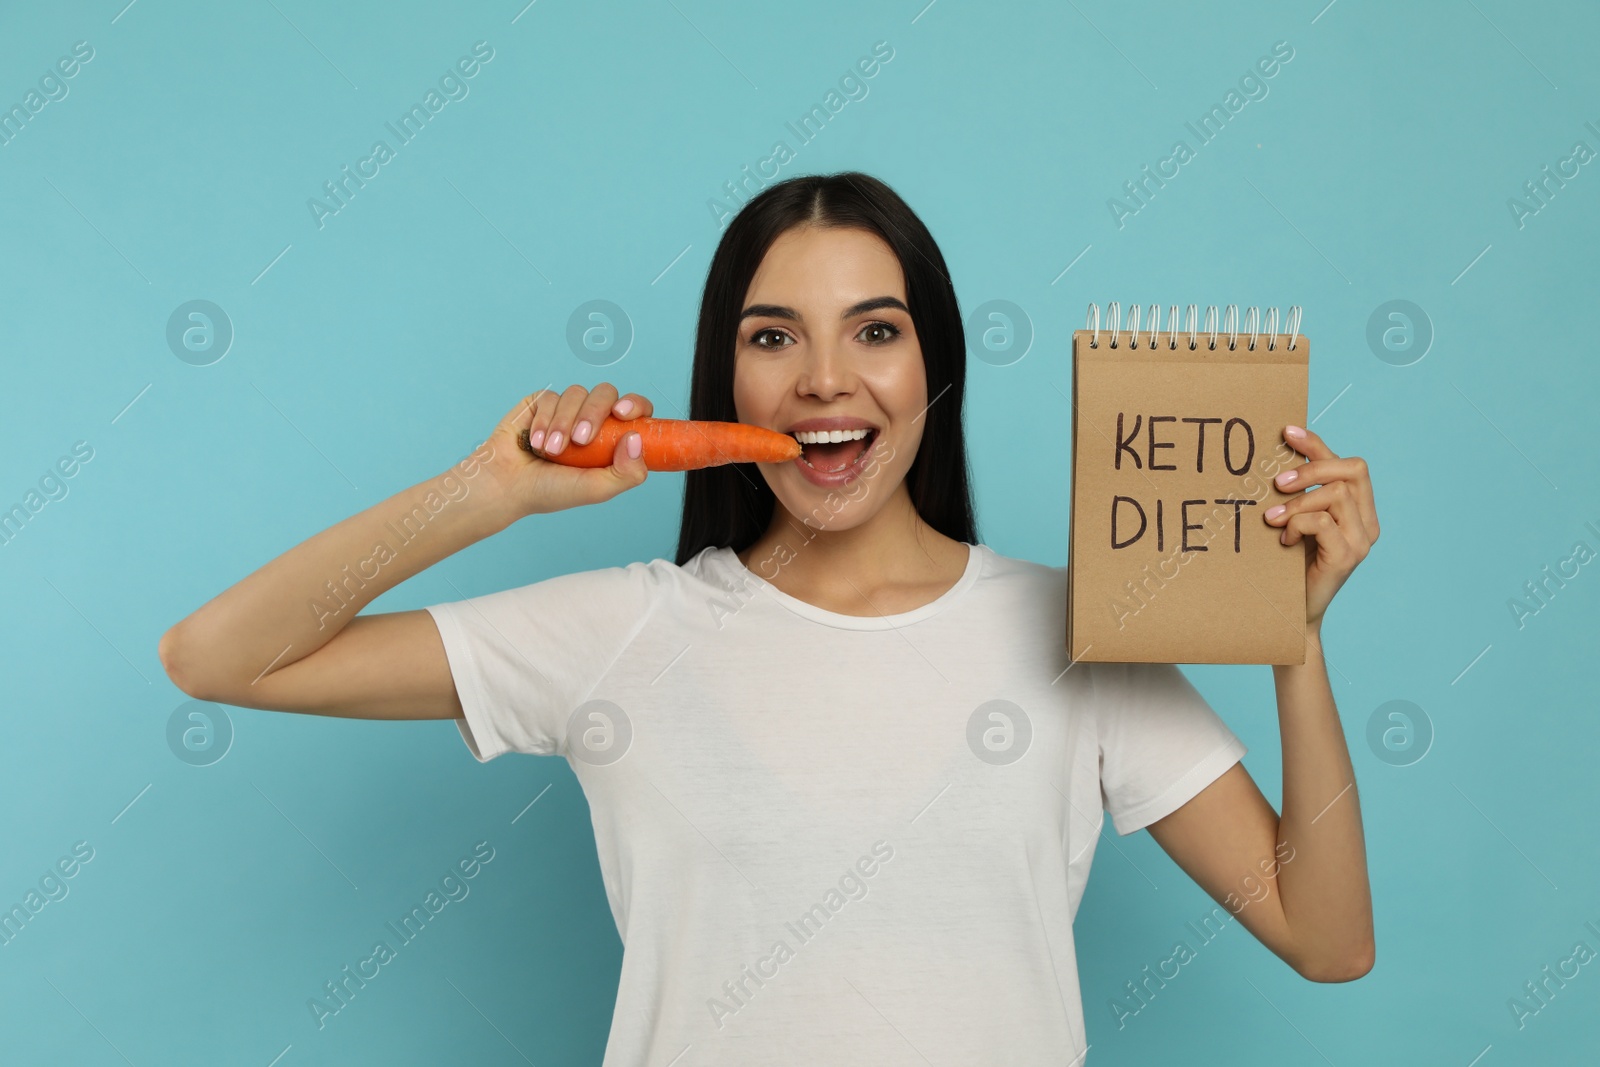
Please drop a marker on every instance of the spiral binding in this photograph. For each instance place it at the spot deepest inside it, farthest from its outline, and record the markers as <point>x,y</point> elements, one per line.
<point>1230,326</point>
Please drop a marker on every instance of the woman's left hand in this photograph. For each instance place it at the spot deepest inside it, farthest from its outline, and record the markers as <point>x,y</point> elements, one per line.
<point>1339,515</point>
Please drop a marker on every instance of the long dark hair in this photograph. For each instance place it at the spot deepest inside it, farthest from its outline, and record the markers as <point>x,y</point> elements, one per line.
<point>731,505</point>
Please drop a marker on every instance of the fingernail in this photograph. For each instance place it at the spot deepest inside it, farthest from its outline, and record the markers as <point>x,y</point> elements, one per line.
<point>580,432</point>
<point>634,445</point>
<point>536,439</point>
<point>1294,431</point>
<point>555,442</point>
<point>1288,477</point>
<point>1273,513</point>
<point>624,406</point>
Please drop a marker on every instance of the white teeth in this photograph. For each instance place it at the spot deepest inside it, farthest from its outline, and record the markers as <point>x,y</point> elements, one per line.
<point>815,437</point>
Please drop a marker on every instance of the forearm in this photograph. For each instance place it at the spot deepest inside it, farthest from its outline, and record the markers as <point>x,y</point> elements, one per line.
<point>299,601</point>
<point>1323,886</point>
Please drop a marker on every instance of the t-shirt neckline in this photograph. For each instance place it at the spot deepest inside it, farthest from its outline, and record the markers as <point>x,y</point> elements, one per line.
<point>969,576</point>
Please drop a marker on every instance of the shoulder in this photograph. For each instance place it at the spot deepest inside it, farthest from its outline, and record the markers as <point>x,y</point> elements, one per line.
<point>1033,597</point>
<point>1003,566</point>
<point>1022,580</point>
<point>637,584</point>
<point>710,571</point>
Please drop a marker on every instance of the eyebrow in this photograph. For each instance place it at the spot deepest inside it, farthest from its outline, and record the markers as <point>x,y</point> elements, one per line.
<point>779,311</point>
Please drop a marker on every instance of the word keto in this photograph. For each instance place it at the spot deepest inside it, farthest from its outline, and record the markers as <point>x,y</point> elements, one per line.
<point>854,88</point>
<point>338,991</point>
<point>52,83</point>
<point>50,885</point>
<point>1149,462</point>
<point>410,527</point>
<point>851,887</point>
<point>1539,191</point>
<point>454,88</point>
<point>1140,996</point>
<point>853,492</point>
<point>1252,886</point>
<point>1141,593</point>
<point>1540,996</point>
<point>1523,610</point>
<point>51,484</point>
<point>1139,191</point>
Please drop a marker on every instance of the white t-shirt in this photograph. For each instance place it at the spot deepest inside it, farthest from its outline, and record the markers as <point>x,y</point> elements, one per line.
<point>830,838</point>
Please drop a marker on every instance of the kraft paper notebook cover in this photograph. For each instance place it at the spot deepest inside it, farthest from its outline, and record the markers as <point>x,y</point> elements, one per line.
<point>1176,437</point>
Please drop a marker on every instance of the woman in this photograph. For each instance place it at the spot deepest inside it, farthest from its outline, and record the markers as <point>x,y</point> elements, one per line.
<point>845,791</point>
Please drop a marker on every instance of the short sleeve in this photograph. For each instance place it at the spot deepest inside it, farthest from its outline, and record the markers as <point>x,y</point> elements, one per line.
<point>524,658</point>
<point>1160,742</point>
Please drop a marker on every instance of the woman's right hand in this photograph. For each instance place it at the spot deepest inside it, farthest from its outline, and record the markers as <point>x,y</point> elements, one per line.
<point>534,486</point>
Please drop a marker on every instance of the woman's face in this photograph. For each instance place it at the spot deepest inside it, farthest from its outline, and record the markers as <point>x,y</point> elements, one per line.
<point>826,336</point>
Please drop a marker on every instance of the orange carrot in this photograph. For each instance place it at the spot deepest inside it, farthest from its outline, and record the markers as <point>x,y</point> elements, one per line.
<point>677,444</point>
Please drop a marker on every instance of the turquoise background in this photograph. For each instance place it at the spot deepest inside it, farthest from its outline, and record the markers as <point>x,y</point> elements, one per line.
<point>373,352</point>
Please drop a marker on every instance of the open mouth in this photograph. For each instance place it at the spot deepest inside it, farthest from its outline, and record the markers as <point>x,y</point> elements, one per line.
<point>830,456</point>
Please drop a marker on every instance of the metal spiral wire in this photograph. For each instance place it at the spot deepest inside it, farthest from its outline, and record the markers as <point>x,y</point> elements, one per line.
<point>1230,327</point>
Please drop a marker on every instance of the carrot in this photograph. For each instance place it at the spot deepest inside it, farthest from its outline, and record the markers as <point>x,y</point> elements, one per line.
<point>677,444</point>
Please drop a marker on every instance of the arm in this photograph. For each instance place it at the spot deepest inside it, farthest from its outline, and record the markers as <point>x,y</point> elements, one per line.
<point>1298,882</point>
<point>289,637</point>
<point>257,643</point>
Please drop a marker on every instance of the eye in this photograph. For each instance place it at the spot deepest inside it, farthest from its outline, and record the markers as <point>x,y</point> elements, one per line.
<point>755,338</point>
<point>890,330</point>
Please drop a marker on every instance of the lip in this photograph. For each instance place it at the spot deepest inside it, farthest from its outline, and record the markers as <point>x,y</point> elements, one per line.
<point>835,479</point>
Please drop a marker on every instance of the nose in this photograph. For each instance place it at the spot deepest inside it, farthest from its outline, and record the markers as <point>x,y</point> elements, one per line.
<point>826,372</point>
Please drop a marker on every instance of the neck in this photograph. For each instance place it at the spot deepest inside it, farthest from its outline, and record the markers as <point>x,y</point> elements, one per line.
<point>895,543</point>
